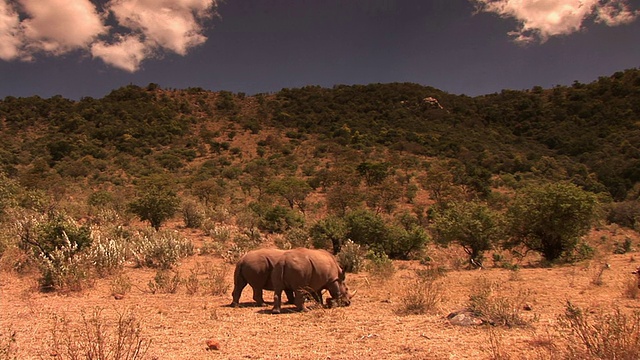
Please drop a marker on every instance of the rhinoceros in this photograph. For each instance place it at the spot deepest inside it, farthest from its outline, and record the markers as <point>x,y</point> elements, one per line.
<point>254,268</point>
<point>308,271</point>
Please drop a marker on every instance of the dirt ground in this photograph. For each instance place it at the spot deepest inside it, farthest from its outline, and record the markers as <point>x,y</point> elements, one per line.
<point>179,325</point>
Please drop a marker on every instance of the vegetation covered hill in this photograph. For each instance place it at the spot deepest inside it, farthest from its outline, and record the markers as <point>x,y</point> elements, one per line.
<point>392,167</point>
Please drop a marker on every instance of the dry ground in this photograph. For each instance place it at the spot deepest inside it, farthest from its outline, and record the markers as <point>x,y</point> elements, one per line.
<point>180,324</point>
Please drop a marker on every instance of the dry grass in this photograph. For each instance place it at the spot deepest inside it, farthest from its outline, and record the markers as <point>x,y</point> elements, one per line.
<point>96,337</point>
<point>179,324</point>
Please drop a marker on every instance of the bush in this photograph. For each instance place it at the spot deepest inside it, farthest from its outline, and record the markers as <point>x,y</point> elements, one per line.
<point>216,282</point>
<point>351,257</point>
<point>369,229</point>
<point>380,266</point>
<point>606,336</point>
<point>472,225</point>
<point>94,339</point>
<point>155,206</point>
<point>57,244</point>
<point>165,281</point>
<point>160,249</point>
<point>278,219</point>
<point>193,215</point>
<point>493,307</point>
<point>45,235</point>
<point>626,213</point>
<point>420,297</point>
<point>108,255</point>
<point>328,232</point>
<point>551,218</point>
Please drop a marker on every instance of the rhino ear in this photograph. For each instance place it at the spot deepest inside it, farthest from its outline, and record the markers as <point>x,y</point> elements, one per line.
<point>341,275</point>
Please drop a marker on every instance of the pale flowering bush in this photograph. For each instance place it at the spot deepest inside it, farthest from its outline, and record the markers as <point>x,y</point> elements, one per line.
<point>160,249</point>
<point>108,254</point>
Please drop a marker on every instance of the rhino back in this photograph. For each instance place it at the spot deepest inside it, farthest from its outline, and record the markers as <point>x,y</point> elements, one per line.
<point>256,267</point>
<point>307,268</point>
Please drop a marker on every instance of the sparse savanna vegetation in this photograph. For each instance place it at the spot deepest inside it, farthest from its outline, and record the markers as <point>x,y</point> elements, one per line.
<point>121,219</point>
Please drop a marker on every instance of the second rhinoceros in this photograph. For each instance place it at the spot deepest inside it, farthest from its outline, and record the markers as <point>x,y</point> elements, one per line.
<point>254,268</point>
<point>308,271</point>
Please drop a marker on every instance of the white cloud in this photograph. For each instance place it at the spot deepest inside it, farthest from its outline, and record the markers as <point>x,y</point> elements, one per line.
<point>171,24</point>
<point>9,32</point>
<point>60,26</point>
<point>541,19</point>
<point>144,28</point>
<point>125,54</point>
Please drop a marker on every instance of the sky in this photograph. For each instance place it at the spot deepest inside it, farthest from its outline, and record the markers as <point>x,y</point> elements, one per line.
<point>79,48</point>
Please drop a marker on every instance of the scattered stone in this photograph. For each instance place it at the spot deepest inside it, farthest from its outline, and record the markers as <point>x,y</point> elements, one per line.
<point>527,307</point>
<point>118,296</point>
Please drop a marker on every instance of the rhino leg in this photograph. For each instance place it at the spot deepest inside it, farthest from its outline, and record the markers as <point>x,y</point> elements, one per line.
<point>290,297</point>
<point>238,286</point>
<point>277,295</point>
<point>257,296</point>
<point>317,296</point>
<point>299,300</point>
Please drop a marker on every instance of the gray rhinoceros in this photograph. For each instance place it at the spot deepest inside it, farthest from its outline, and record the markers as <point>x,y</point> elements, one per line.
<point>308,271</point>
<point>254,268</point>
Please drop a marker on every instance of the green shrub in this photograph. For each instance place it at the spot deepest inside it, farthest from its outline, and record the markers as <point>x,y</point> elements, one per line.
<point>626,213</point>
<point>277,219</point>
<point>156,206</point>
<point>295,238</point>
<point>328,232</point>
<point>472,225</point>
<point>551,218</point>
<point>369,229</point>
<point>58,246</point>
<point>64,269</point>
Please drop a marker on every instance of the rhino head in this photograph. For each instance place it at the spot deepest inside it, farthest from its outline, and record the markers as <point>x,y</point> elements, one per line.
<point>345,296</point>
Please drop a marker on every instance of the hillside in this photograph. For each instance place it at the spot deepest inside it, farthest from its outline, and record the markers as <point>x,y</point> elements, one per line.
<point>151,194</point>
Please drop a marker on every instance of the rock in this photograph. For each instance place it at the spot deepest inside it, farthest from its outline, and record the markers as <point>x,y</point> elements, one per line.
<point>213,344</point>
<point>118,296</point>
<point>464,318</point>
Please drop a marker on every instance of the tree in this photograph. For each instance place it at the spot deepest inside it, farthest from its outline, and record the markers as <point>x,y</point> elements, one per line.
<point>551,218</point>
<point>440,183</point>
<point>330,229</point>
<point>472,225</point>
<point>155,205</point>
<point>367,228</point>
<point>293,189</point>
<point>384,196</point>
<point>373,173</point>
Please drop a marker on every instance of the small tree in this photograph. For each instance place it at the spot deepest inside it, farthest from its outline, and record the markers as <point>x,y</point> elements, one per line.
<point>472,225</point>
<point>330,229</point>
<point>551,218</point>
<point>156,206</point>
<point>293,189</point>
<point>367,228</point>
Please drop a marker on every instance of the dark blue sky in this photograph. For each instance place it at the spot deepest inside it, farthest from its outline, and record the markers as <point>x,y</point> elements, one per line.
<point>266,45</point>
